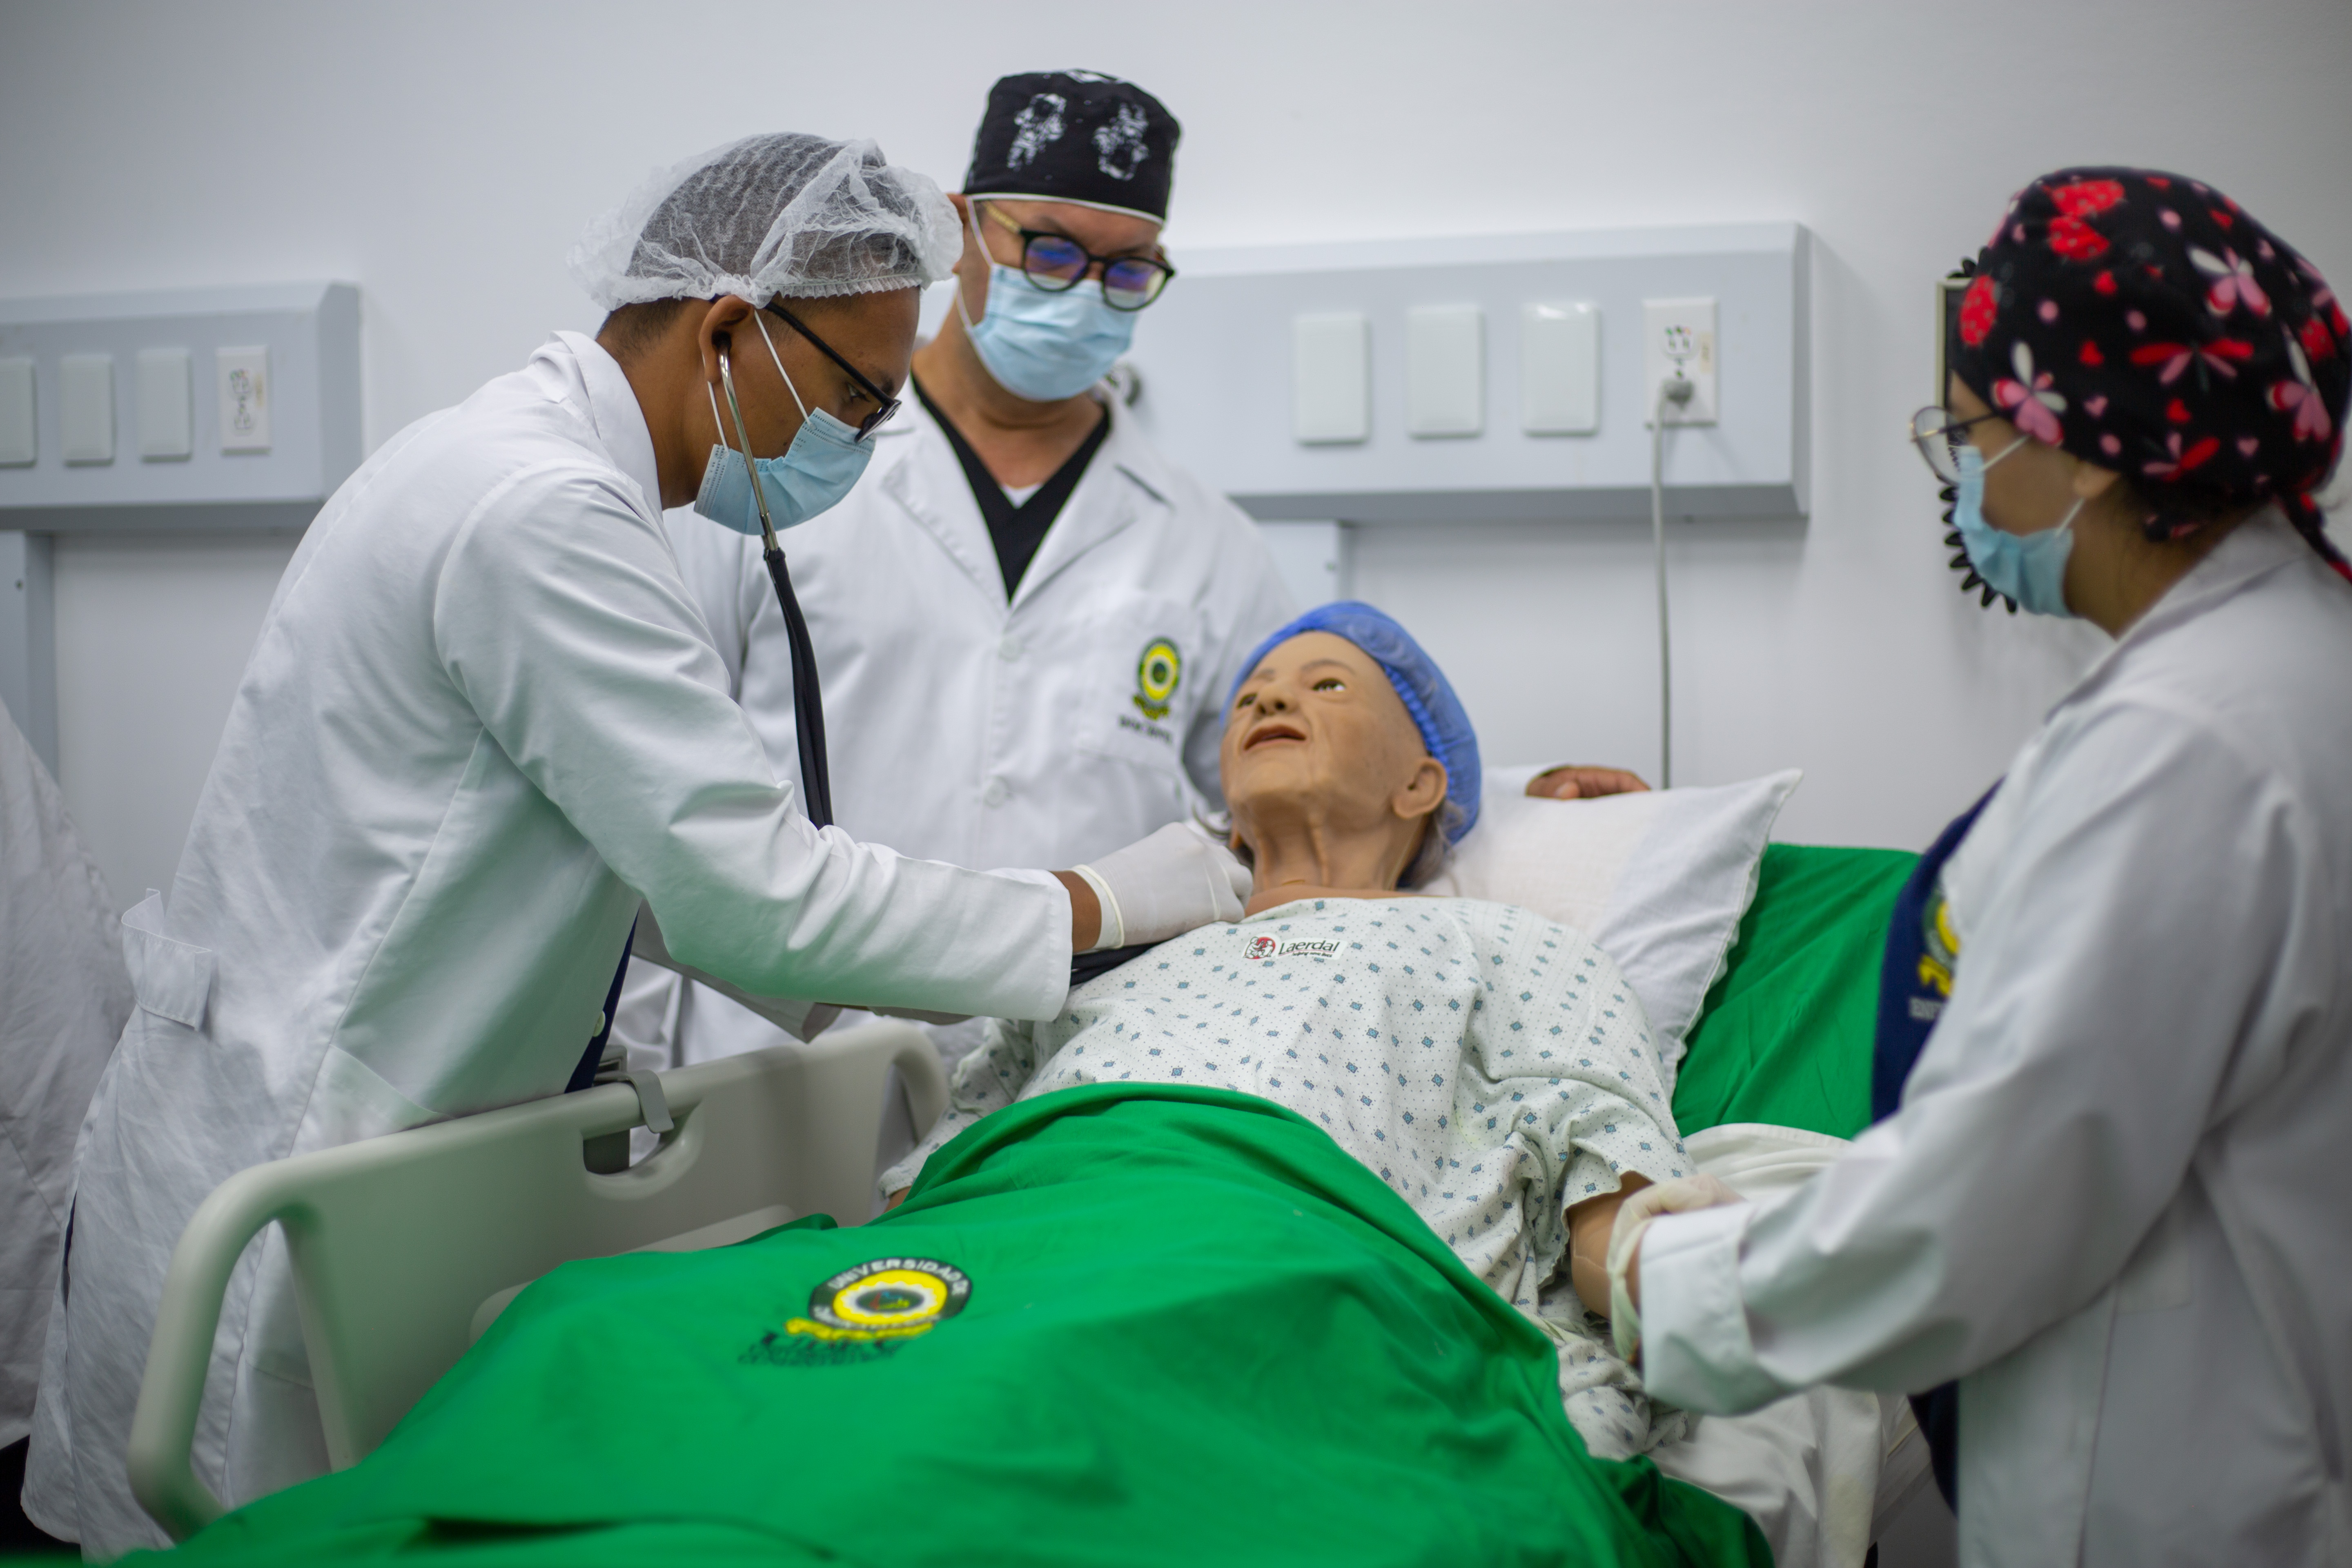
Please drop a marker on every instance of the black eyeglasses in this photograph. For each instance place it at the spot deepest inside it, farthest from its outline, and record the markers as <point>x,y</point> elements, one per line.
<point>883,406</point>
<point>1056,263</point>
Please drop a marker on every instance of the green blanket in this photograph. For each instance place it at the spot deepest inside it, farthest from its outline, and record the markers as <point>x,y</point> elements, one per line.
<point>1785,1035</point>
<point>1134,1324</point>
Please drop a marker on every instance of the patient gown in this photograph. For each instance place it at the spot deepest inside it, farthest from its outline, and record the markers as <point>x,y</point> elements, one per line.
<point>1126,1322</point>
<point>1491,1066</point>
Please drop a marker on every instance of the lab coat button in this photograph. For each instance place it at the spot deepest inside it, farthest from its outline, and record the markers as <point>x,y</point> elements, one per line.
<point>995,794</point>
<point>1009,649</point>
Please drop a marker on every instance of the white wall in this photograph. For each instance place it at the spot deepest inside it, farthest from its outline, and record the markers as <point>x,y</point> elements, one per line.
<point>443,156</point>
<point>152,635</point>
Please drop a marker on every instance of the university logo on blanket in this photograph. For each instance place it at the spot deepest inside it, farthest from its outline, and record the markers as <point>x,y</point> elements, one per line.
<point>869,1311</point>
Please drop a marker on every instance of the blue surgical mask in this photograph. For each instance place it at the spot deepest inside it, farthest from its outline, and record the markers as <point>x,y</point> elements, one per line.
<point>1044,346</point>
<point>2030,568</point>
<point>821,467</point>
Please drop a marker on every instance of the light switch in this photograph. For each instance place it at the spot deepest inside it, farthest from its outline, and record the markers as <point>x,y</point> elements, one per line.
<point>18,445</point>
<point>167,420</point>
<point>1446,370</point>
<point>1559,370</point>
<point>1330,389</point>
<point>244,397</point>
<point>86,407</point>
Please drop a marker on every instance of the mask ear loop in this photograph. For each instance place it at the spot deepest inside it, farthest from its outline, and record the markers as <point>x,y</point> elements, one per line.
<point>761,318</point>
<point>2005,451</point>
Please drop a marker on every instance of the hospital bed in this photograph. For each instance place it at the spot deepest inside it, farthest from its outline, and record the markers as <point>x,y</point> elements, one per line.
<point>406,1247</point>
<point>400,1264</point>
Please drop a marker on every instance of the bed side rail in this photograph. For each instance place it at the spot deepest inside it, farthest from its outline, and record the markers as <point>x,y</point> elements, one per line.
<point>398,1243</point>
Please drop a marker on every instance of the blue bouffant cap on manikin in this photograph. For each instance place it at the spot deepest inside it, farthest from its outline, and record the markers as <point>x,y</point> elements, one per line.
<point>1436,712</point>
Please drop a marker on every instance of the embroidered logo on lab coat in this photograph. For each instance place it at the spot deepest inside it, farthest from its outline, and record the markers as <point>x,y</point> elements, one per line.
<point>1157,674</point>
<point>869,1311</point>
<point>1940,954</point>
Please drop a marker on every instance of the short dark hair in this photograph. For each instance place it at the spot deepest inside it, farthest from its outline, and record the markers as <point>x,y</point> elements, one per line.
<point>633,329</point>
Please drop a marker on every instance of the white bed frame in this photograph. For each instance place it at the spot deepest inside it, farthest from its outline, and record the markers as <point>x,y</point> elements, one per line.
<point>406,1247</point>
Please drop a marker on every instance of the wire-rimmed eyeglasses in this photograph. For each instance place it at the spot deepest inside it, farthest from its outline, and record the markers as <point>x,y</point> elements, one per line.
<point>1938,436</point>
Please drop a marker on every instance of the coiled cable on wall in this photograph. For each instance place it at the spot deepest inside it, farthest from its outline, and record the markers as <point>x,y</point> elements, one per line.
<point>1674,392</point>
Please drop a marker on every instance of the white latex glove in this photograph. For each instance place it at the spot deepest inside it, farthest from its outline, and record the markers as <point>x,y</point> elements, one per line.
<point>1163,885</point>
<point>1634,1218</point>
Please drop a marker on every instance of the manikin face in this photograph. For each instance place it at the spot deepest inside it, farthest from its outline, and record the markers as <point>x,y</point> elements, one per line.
<point>1317,735</point>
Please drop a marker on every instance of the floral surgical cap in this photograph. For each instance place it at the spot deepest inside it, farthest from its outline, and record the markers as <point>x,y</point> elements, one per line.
<point>2147,323</point>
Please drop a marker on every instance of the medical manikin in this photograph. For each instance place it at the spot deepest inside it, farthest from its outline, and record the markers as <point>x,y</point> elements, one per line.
<point>1491,1066</point>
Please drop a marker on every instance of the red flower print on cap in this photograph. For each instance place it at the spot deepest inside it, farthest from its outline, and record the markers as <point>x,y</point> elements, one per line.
<point>2091,354</point>
<point>1978,306</point>
<point>2302,399</point>
<point>2086,198</point>
<point>2076,240</point>
<point>2232,285</point>
<point>2071,233</point>
<point>2105,282</point>
<point>2033,406</point>
<point>2182,462</point>
<point>2316,342</point>
<point>2175,357</point>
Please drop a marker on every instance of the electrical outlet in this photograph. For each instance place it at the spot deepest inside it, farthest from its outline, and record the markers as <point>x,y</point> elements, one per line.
<point>243,396</point>
<point>1678,341</point>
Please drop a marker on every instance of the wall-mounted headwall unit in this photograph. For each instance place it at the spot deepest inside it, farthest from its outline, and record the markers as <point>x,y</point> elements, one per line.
<point>198,408</point>
<point>1480,378</point>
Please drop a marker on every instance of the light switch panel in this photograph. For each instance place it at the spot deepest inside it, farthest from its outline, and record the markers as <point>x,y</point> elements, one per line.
<point>1330,390</point>
<point>1446,370</point>
<point>167,413</point>
<point>1559,370</point>
<point>245,396</point>
<point>19,445</point>
<point>86,407</point>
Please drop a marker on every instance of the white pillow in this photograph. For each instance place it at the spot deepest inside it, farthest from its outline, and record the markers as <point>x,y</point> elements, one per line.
<point>1659,881</point>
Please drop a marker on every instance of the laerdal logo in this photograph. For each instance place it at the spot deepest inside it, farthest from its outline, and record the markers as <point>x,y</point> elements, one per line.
<point>1266,947</point>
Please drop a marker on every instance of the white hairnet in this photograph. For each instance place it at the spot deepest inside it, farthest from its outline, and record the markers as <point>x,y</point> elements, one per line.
<point>802,216</point>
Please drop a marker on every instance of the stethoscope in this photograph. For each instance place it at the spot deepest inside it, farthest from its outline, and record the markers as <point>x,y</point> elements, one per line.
<point>808,700</point>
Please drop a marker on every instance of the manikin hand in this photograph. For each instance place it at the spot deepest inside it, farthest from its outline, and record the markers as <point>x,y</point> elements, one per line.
<point>1571,782</point>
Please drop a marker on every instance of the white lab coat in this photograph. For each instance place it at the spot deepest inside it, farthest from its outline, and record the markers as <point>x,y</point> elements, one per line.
<point>970,729</point>
<point>2117,1201</point>
<point>64,995</point>
<point>483,718</point>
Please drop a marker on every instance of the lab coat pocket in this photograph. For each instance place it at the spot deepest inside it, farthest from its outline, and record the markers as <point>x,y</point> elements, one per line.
<point>1137,684</point>
<point>170,979</point>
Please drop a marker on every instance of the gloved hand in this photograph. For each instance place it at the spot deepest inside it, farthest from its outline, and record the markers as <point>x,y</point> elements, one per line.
<point>1634,1218</point>
<point>1165,885</point>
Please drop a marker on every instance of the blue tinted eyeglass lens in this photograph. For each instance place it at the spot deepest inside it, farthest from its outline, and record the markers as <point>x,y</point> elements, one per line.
<point>1055,258</point>
<point>1132,283</point>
